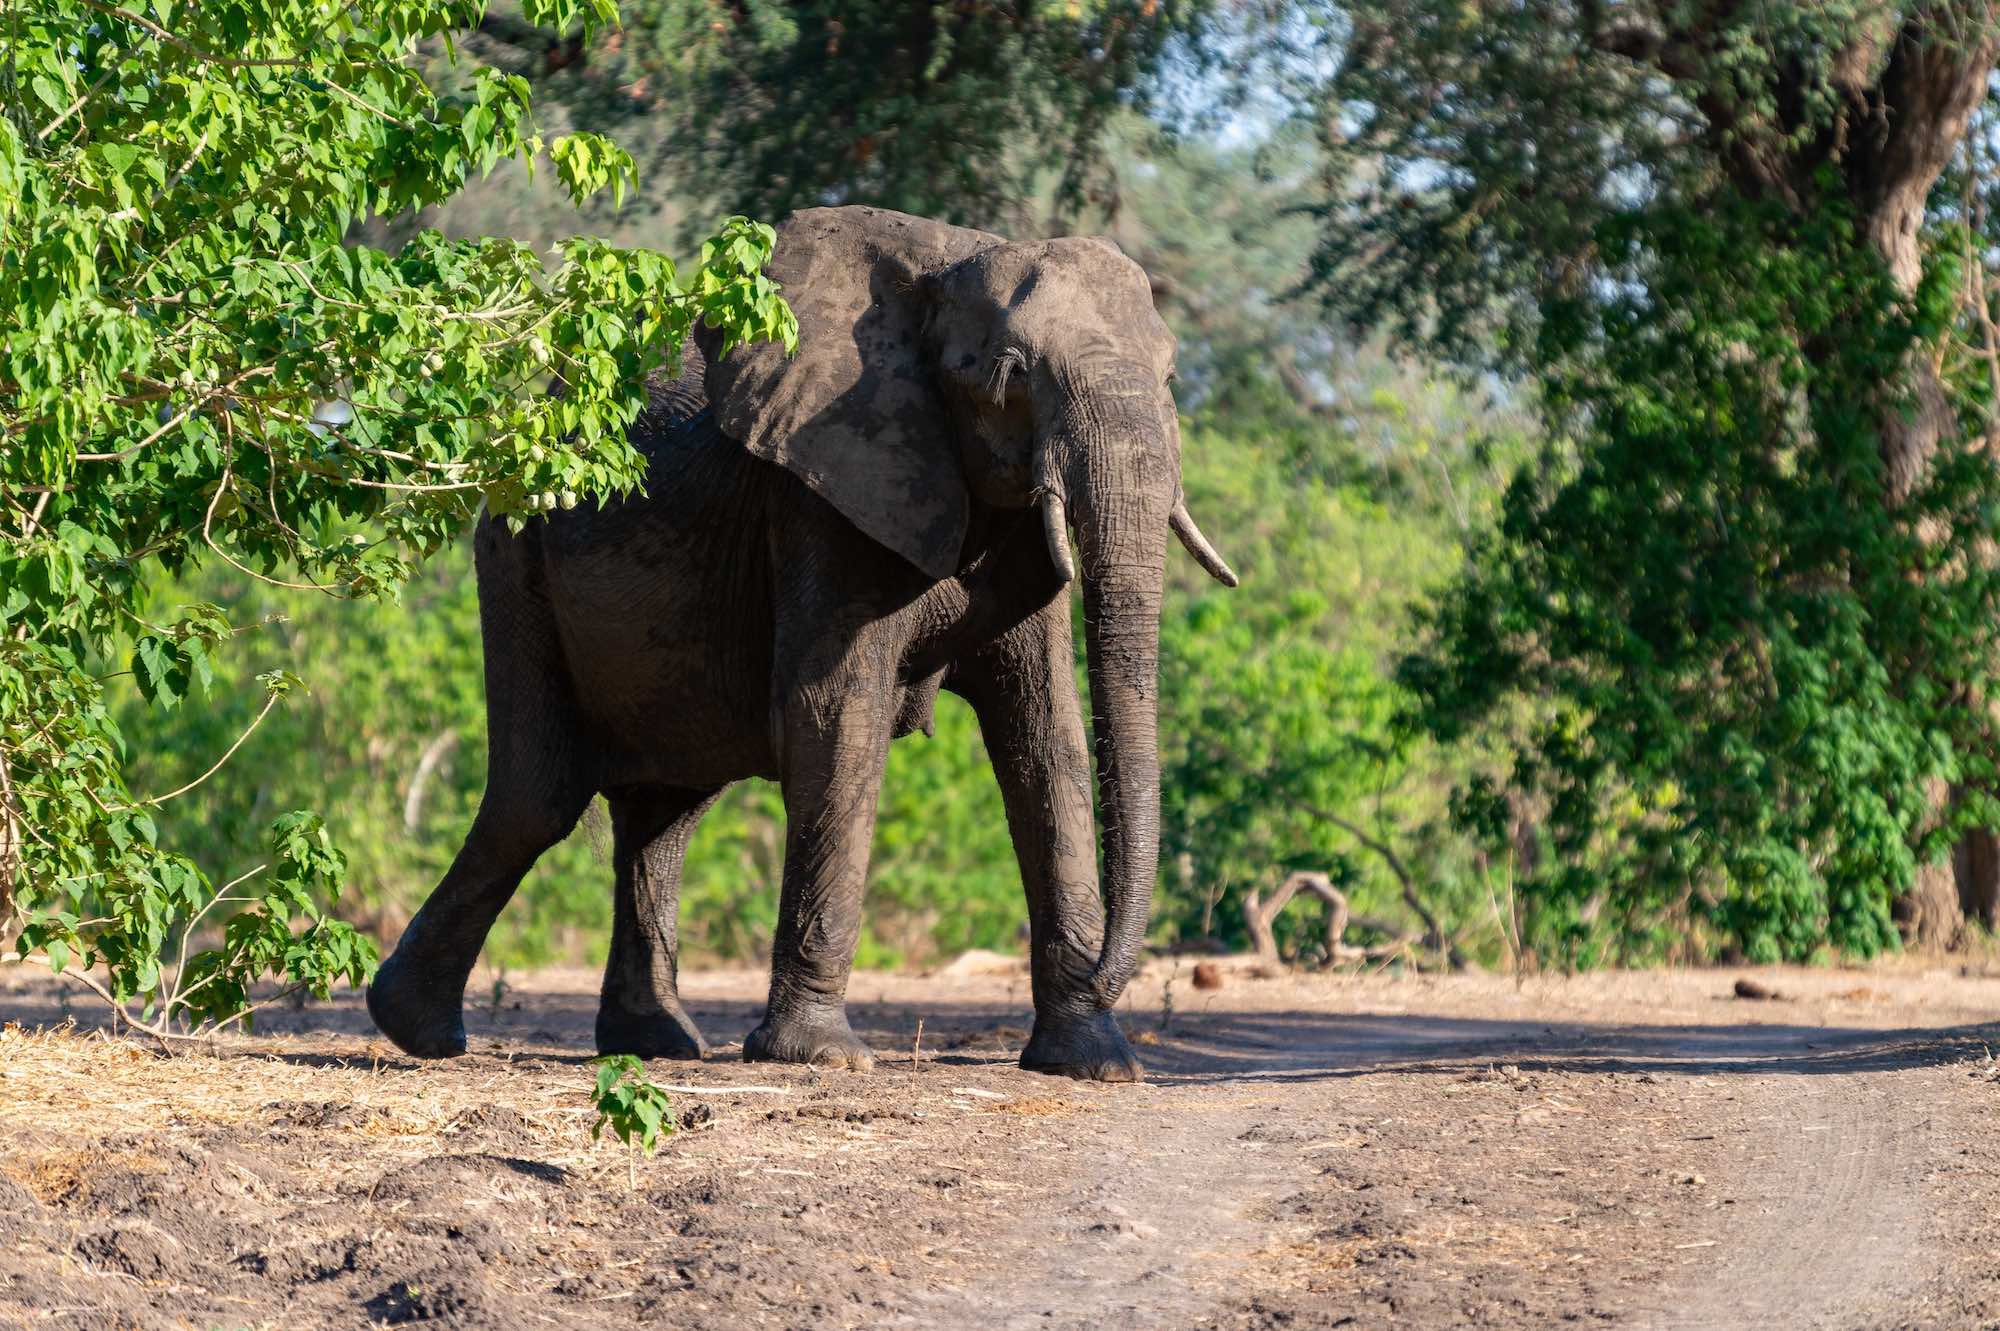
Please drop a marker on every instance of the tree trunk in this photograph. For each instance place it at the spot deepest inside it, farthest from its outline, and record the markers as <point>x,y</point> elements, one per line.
<point>1926,96</point>
<point>1902,137</point>
<point>1928,914</point>
<point>1976,867</point>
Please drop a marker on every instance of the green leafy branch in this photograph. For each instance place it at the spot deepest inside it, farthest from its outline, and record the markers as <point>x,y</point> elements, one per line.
<point>194,362</point>
<point>282,931</point>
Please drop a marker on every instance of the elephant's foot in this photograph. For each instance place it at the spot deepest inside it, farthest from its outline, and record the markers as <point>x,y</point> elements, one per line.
<point>818,1035</point>
<point>418,1013</point>
<point>666,1031</point>
<point>1090,1047</point>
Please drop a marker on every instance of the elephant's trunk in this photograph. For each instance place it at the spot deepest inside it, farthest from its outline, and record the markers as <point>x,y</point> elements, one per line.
<point>1122,489</point>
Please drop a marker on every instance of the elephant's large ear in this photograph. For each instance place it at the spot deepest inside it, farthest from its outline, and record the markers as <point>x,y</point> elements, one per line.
<point>855,413</point>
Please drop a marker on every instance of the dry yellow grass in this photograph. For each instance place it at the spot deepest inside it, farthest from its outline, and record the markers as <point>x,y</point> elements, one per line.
<point>60,1085</point>
<point>1037,1106</point>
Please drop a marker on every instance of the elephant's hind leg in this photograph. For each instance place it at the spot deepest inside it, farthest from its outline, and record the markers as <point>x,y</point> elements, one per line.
<point>418,995</point>
<point>537,786</point>
<point>640,1011</point>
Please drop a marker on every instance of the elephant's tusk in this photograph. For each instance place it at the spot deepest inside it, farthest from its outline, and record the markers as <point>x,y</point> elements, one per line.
<point>1198,546</point>
<point>1055,528</point>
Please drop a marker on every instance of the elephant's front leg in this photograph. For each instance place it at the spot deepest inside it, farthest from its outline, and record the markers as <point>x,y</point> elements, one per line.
<point>640,1010</point>
<point>836,729</point>
<point>1023,688</point>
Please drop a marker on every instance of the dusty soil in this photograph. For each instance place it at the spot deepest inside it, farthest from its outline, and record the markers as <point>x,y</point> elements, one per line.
<point>1626,1149</point>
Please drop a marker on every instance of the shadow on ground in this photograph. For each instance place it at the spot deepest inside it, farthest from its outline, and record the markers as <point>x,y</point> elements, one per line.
<point>1215,1045</point>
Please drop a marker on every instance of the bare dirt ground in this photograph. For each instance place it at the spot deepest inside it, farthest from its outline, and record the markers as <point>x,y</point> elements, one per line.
<point>1637,1149</point>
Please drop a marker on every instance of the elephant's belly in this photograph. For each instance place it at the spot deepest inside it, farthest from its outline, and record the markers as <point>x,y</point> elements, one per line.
<point>651,728</point>
<point>672,675</point>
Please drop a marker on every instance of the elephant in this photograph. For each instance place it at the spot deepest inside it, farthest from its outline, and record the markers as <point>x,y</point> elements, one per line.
<point>825,540</point>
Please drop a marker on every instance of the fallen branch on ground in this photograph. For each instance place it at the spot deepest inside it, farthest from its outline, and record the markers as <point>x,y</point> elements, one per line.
<point>1258,915</point>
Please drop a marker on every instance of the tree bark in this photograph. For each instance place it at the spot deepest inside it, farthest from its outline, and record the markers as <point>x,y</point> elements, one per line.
<point>1904,133</point>
<point>1975,866</point>
<point>10,839</point>
<point>1929,915</point>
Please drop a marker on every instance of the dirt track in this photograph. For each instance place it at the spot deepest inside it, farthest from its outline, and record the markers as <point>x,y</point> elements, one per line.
<point>1631,1150</point>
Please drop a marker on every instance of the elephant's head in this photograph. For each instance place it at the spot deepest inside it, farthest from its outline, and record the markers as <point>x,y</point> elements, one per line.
<point>940,367</point>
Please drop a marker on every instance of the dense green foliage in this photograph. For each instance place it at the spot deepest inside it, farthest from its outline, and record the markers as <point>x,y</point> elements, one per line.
<point>1735,628</point>
<point>1750,672</point>
<point>196,367</point>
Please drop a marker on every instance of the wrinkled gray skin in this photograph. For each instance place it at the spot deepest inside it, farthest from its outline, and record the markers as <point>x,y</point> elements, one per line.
<point>826,541</point>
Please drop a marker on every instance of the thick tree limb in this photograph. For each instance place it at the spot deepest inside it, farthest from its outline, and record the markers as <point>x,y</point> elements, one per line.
<point>1910,78</point>
<point>1935,78</point>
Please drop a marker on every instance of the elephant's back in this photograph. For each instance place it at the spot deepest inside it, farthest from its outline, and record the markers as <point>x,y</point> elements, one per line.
<point>694,475</point>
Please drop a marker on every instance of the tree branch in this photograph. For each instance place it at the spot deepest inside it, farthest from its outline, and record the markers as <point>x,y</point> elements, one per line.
<point>1936,76</point>
<point>1437,936</point>
<point>433,754</point>
<point>10,838</point>
<point>269,703</point>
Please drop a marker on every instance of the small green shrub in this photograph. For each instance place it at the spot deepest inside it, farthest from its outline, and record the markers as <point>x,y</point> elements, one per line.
<point>631,1106</point>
